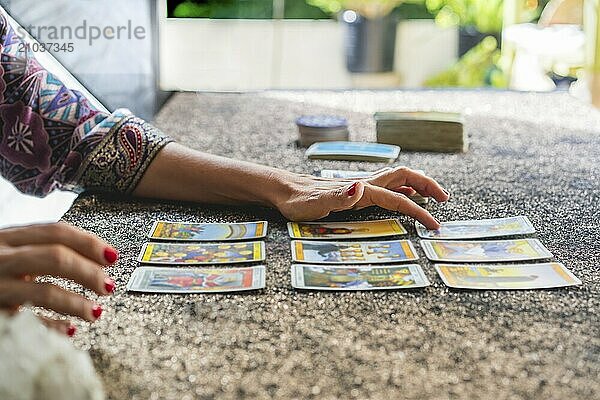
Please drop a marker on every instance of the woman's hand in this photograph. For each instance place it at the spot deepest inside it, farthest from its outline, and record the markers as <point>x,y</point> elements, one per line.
<point>58,250</point>
<point>311,198</point>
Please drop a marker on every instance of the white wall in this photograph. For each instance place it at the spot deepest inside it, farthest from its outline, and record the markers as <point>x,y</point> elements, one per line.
<point>423,49</point>
<point>235,55</point>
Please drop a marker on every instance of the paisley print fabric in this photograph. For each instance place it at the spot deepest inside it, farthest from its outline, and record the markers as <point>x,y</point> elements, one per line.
<point>53,137</point>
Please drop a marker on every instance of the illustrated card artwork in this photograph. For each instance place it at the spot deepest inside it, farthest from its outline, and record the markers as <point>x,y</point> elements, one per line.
<point>485,250</point>
<point>507,277</point>
<point>196,280</point>
<point>473,229</point>
<point>353,252</point>
<point>184,231</point>
<point>321,277</point>
<point>345,230</point>
<point>202,253</point>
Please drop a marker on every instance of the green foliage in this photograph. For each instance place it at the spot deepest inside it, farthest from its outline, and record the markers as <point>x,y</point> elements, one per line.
<point>300,9</point>
<point>366,8</point>
<point>477,68</point>
<point>247,9</point>
<point>190,9</point>
<point>328,6</point>
<point>485,15</point>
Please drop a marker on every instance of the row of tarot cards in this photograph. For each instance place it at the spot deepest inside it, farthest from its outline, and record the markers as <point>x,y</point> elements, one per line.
<point>342,276</point>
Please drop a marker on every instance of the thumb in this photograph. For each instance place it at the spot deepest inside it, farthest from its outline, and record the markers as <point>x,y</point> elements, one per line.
<point>346,197</point>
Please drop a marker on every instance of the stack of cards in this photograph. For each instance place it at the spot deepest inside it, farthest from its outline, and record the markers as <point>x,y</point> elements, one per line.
<point>321,128</point>
<point>422,131</point>
<point>343,254</point>
<point>341,174</point>
<point>353,151</point>
<point>228,249</point>
<point>454,243</point>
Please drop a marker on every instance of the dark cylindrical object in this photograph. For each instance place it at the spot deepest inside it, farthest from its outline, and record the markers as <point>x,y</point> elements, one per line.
<point>370,43</point>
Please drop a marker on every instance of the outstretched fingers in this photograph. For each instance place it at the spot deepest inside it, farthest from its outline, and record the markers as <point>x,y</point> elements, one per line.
<point>393,201</point>
<point>80,241</point>
<point>55,260</point>
<point>49,296</point>
<point>402,176</point>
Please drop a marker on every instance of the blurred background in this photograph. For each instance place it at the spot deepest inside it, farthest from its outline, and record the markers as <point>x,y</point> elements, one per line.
<point>240,45</point>
<point>245,45</point>
<point>254,44</point>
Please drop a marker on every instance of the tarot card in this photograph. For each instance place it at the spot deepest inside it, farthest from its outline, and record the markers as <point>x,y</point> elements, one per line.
<point>346,230</point>
<point>357,151</point>
<point>320,277</point>
<point>343,174</point>
<point>473,229</point>
<point>509,277</point>
<point>353,252</point>
<point>485,250</point>
<point>202,253</point>
<point>196,280</point>
<point>185,231</point>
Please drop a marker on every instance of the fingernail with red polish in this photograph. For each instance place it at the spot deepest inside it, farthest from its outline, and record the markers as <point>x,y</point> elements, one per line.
<point>96,311</point>
<point>352,189</point>
<point>109,285</point>
<point>71,330</point>
<point>110,255</point>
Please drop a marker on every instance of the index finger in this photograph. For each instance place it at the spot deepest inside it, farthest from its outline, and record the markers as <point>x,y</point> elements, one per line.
<point>402,176</point>
<point>393,201</point>
<point>84,243</point>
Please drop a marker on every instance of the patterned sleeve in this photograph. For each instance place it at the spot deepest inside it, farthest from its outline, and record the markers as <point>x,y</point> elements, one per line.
<point>53,137</point>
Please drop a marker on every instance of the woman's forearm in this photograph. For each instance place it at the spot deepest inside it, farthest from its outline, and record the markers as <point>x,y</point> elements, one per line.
<point>179,173</point>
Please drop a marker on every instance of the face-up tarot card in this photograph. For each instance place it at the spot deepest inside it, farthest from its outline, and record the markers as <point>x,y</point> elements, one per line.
<point>196,280</point>
<point>353,252</point>
<point>201,253</point>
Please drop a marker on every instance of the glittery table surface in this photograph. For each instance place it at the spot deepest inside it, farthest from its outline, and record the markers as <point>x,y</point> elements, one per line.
<point>532,154</point>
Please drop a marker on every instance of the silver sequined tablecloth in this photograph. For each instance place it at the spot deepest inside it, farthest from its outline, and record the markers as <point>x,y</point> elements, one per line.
<point>531,154</point>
